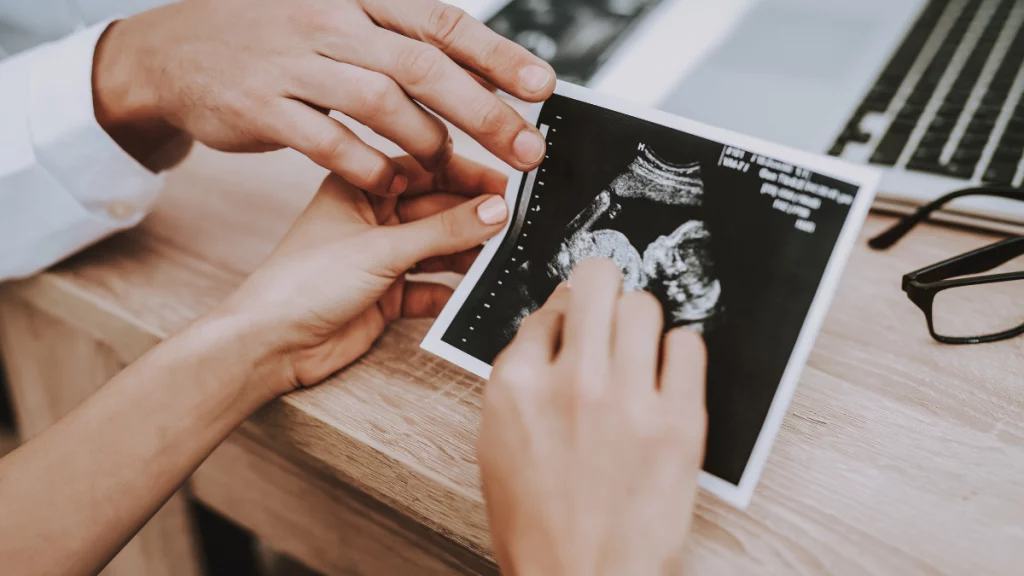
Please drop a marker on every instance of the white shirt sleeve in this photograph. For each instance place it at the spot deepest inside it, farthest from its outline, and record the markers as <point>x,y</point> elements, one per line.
<point>64,182</point>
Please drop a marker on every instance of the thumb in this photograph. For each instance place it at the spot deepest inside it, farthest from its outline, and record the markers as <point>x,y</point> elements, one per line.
<point>455,230</point>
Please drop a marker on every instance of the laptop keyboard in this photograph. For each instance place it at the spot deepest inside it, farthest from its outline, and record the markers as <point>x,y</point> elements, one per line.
<point>949,98</point>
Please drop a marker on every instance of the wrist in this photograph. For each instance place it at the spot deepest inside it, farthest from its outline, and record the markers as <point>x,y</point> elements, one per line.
<point>245,353</point>
<point>127,104</point>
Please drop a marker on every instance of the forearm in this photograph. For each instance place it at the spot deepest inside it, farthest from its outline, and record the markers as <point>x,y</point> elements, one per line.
<point>71,498</point>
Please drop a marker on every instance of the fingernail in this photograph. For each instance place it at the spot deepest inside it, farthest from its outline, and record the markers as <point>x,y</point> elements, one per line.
<point>398,184</point>
<point>528,147</point>
<point>534,78</point>
<point>493,211</point>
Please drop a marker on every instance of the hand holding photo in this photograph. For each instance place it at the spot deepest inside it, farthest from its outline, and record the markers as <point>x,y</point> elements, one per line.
<point>739,239</point>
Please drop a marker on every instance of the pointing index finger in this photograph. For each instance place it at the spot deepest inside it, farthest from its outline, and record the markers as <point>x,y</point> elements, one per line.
<point>470,43</point>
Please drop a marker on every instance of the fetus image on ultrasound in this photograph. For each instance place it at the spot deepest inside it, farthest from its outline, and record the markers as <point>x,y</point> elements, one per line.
<point>676,266</point>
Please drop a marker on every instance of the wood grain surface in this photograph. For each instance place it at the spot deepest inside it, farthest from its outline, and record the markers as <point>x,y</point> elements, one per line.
<point>898,456</point>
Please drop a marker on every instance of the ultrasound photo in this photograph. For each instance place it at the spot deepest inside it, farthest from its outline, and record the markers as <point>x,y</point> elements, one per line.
<point>677,267</point>
<point>575,36</point>
<point>733,242</point>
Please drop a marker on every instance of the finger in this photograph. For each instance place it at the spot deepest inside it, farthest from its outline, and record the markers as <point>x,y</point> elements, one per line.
<point>379,103</point>
<point>337,209</point>
<point>469,42</point>
<point>333,146</point>
<point>637,347</point>
<point>462,228</point>
<point>684,370</point>
<point>596,285</point>
<point>415,208</point>
<point>459,176</point>
<point>458,263</point>
<point>481,81</point>
<point>540,335</point>
<point>424,299</point>
<point>430,77</point>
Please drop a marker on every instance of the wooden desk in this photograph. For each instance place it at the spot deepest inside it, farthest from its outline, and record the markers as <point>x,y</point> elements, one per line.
<point>898,455</point>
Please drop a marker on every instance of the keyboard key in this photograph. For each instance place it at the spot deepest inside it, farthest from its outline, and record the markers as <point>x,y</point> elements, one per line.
<point>1008,154</point>
<point>1012,139</point>
<point>924,166</point>
<point>974,140</point>
<point>934,139</point>
<point>943,122</point>
<point>957,97</point>
<point>950,109</point>
<point>1000,173</point>
<point>961,170</point>
<point>855,134</point>
<point>967,155</point>
<point>994,97</point>
<point>926,156</point>
<point>1015,127</point>
<point>988,113</point>
<point>911,110</point>
<point>890,148</point>
<point>920,97</point>
<point>981,126</point>
<point>903,124</point>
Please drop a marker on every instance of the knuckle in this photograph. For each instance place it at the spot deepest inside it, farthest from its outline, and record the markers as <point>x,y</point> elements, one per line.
<point>450,224</point>
<point>421,64</point>
<point>331,147</point>
<point>490,58</point>
<point>246,102</point>
<point>311,17</point>
<point>445,24</point>
<point>257,99</point>
<point>491,119</point>
<point>387,248</point>
<point>377,97</point>
<point>376,173</point>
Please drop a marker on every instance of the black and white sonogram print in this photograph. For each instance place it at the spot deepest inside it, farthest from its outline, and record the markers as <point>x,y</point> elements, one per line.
<point>684,220</point>
<point>676,267</point>
<point>575,36</point>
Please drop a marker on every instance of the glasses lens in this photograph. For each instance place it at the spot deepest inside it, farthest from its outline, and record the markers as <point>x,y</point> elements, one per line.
<point>979,310</point>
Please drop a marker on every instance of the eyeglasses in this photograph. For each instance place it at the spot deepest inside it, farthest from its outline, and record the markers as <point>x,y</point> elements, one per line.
<point>961,307</point>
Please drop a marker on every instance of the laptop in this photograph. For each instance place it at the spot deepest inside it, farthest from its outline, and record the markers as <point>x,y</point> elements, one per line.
<point>930,91</point>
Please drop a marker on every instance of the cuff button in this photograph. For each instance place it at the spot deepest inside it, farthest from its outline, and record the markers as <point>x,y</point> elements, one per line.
<point>121,210</point>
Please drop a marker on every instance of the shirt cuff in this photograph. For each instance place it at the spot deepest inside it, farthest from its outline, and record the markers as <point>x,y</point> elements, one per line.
<point>71,145</point>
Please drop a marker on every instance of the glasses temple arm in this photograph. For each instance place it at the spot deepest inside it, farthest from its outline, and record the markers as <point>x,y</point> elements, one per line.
<point>976,262</point>
<point>901,228</point>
